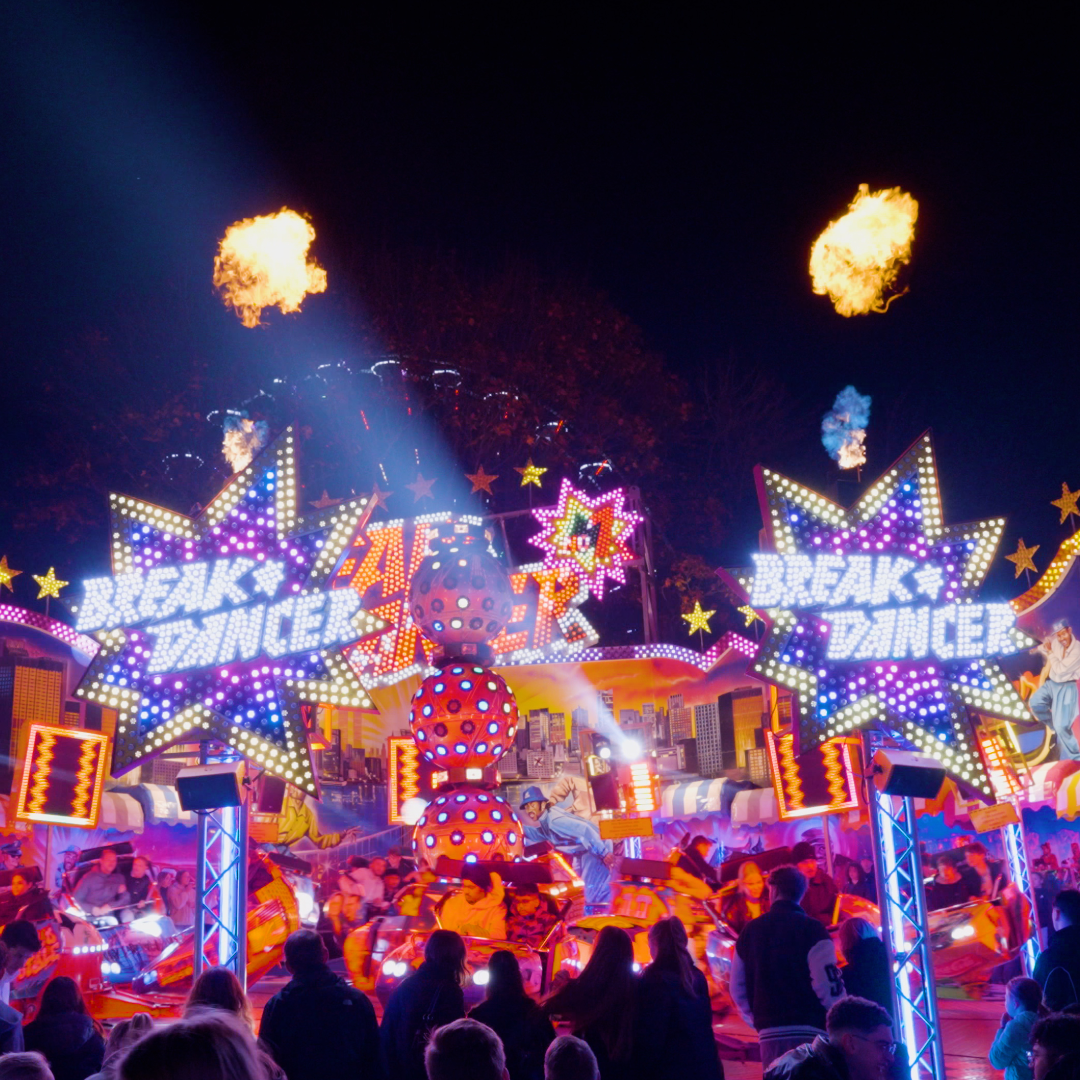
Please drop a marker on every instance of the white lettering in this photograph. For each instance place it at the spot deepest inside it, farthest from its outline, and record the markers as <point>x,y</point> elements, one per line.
<point>223,583</point>
<point>123,611</point>
<point>969,630</point>
<point>939,626</point>
<point>887,580</point>
<point>846,631</point>
<point>344,604</point>
<point>768,588</point>
<point>878,640</point>
<point>204,647</point>
<point>171,641</point>
<point>826,574</point>
<point>275,640</point>
<point>243,634</point>
<point>307,622</point>
<point>187,594</point>
<point>796,571</point>
<point>912,633</point>
<point>856,586</point>
<point>1000,619</point>
<point>157,586</point>
<point>97,598</point>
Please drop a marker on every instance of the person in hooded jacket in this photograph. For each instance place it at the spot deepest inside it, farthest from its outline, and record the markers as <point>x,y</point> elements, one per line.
<point>677,1040</point>
<point>427,999</point>
<point>318,1025</point>
<point>508,1010</point>
<point>65,1033</point>
<point>866,973</point>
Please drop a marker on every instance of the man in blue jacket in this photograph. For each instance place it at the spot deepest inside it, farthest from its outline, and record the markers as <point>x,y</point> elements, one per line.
<point>571,835</point>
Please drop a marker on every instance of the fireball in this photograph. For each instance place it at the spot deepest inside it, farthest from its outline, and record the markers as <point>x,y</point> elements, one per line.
<point>856,260</point>
<point>263,262</point>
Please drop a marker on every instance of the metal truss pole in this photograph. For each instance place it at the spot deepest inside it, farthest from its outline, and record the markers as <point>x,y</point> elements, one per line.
<point>221,889</point>
<point>1016,850</point>
<point>904,929</point>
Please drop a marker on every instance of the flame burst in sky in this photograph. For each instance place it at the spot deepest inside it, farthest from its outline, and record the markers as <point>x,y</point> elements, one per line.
<point>243,439</point>
<point>263,262</point>
<point>843,428</point>
<point>857,258</point>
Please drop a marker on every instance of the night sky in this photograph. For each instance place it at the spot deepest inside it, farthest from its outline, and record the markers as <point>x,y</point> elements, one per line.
<point>683,165</point>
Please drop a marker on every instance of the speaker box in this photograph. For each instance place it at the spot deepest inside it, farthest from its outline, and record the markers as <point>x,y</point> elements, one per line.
<point>270,795</point>
<point>209,787</point>
<point>903,772</point>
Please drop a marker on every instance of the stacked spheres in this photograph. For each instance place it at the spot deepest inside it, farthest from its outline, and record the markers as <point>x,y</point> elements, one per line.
<point>464,717</point>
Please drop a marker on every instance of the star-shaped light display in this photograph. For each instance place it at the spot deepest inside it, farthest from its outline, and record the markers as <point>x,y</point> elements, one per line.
<point>7,575</point>
<point>421,488</point>
<point>49,584</point>
<point>698,619</point>
<point>378,498</point>
<point>530,473</point>
<point>325,502</point>
<point>877,620</point>
<point>590,536</point>
<point>1022,559</point>
<point>223,625</point>
<point>749,614</point>
<point>481,481</point>
<point>1067,503</point>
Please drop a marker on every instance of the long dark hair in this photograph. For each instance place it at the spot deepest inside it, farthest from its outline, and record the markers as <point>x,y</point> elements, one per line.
<point>670,950</point>
<point>62,995</point>
<point>602,997</point>
<point>445,953</point>
<point>219,988</point>
<point>504,977</point>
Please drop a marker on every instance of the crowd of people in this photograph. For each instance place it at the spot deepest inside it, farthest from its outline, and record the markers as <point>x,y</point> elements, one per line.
<point>481,907</point>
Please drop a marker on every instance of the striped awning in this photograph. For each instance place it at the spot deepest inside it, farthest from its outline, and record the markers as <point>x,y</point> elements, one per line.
<point>756,807</point>
<point>1068,798</point>
<point>121,812</point>
<point>692,799</point>
<point>698,797</point>
<point>161,805</point>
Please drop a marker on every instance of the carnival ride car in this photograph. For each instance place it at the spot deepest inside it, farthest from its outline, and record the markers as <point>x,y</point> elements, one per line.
<point>281,899</point>
<point>382,952</point>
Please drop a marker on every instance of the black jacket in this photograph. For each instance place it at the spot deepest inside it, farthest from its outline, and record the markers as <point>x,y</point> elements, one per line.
<point>1057,969</point>
<point>525,1031</point>
<point>818,1060</point>
<point>319,1026</point>
<point>867,972</point>
<point>675,1034</point>
<point>70,1042</point>
<point>784,972</point>
<point>424,1001</point>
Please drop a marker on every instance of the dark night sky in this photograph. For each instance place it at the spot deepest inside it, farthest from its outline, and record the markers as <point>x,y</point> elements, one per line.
<point>683,164</point>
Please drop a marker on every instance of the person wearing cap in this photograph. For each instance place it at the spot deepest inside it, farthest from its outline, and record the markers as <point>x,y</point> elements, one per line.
<point>478,908</point>
<point>572,835</point>
<point>66,876</point>
<point>819,900</point>
<point>1055,702</point>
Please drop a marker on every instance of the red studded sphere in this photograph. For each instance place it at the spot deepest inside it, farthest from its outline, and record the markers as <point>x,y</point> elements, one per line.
<point>463,717</point>
<point>461,594</point>
<point>471,825</point>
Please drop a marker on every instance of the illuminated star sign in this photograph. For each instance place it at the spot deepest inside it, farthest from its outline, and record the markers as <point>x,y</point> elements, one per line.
<point>221,626</point>
<point>49,584</point>
<point>1022,558</point>
<point>698,619</point>
<point>875,618</point>
<point>481,481</point>
<point>530,473</point>
<point>587,535</point>
<point>7,575</point>
<point>1067,503</point>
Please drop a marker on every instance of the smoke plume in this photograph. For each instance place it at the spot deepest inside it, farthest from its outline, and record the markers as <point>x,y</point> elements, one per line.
<point>843,428</point>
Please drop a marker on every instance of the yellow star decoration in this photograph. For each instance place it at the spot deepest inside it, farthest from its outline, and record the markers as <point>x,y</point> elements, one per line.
<point>530,474</point>
<point>748,613</point>
<point>1021,558</point>
<point>50,584</point>
<point>480,481</point>
<point>698,619</point>
<point>7,575</point>
<point>1066,504</point>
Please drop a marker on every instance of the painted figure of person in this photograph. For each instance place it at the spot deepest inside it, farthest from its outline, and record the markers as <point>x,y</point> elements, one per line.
<point>1055,702</point>
<point>572,835</point>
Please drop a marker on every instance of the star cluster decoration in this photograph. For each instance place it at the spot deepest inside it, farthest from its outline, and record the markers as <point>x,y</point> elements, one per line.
<point>1067,503</point>
<point>698,619</point>
<point>49,585</point>
<point>7,575</point>
<point>589,535</point>
<point>924,702</point>
<point>1022,558</point>
<point>253,706</point>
